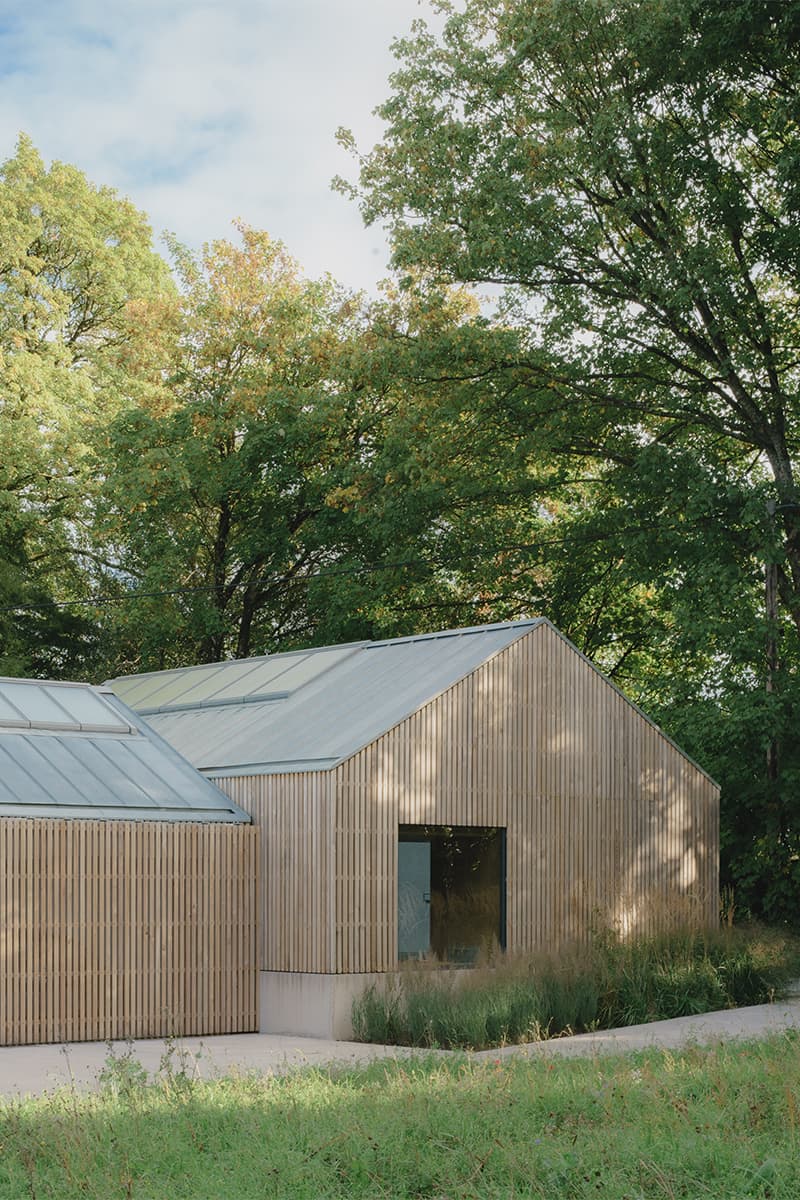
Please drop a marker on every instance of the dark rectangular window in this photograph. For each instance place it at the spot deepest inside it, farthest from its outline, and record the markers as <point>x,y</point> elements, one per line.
<point>451,891</point>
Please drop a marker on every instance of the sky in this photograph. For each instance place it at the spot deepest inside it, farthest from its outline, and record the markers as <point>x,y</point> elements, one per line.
<point>206,111</point>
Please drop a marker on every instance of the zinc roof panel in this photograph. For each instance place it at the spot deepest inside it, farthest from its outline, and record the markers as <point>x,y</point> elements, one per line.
<point>163,778</point>
<point>16,783</point>
<point>120,770</point>
<point>103,770</point>
<point>370,688</point>
<point>204,735</point>
<point>32,773</point>
<point>110,813</point>
<point>9,714</point>
<point>383,686</point>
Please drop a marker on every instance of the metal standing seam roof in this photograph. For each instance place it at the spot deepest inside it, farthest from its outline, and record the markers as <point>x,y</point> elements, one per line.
<point>73,750</point>
<point>307,709</point>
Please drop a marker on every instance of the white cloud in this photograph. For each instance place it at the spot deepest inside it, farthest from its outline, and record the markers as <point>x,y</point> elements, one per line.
<point>202,112</point>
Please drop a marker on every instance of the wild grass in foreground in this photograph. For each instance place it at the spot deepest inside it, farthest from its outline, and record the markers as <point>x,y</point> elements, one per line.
<point>719,1123</point>
<point>607,984</point>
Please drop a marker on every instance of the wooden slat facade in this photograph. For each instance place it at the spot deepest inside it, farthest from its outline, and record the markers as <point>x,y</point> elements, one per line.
<point>605,819</point>
<point>294,813</point>
<point>115,929</point>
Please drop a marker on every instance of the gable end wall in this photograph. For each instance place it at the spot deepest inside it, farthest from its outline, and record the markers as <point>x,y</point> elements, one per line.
<point>605,818</point>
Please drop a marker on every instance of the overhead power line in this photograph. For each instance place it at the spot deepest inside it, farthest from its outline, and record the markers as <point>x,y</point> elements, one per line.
<point>125,597</point>
<point>324,572</point>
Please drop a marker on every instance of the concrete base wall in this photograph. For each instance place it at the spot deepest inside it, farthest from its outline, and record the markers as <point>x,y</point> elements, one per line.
<point>309,1005</point>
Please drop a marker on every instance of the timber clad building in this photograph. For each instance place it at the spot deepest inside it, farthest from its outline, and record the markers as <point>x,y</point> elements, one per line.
<point>128,883</point>
<point>441,793</point>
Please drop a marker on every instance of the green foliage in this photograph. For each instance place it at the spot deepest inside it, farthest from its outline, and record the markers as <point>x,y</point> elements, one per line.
<point>626,170</point>
<point>610,984</point>
<point>687,973</point>
<point>223,490</point>
<point>719,1122</point>
<point>76,262</point>
<point>122,1074</point>
<point>287,490</point>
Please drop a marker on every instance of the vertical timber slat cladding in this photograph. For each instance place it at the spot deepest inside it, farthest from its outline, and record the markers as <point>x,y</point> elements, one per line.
<point>605,818</point>
<point>102,933</point>
<point>292,811</point>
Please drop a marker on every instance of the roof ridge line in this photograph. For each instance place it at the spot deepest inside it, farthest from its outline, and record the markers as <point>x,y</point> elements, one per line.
<point>466,631</point>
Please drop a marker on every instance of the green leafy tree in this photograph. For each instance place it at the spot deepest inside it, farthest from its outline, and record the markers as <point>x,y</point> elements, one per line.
<point>627,171</point>
<point>311,476</point>
<point>630,166</point>
<point>75,261</point>
<point>253,494</point>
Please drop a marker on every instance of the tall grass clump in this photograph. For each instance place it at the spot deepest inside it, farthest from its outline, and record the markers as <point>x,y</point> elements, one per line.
<point>692,971</point>
<point>608,983</point>
<point>491,1005</point>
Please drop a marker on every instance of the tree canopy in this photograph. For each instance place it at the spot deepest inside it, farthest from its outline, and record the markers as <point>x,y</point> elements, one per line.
<point>285,484</point>
<point>628,169</point>
<point>75,263</point>
<point>626,172</point>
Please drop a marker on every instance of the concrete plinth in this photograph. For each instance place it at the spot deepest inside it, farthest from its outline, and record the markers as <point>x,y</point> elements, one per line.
<point>309,1005</point>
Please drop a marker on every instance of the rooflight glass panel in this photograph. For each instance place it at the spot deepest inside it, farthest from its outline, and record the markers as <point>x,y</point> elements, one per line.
<point>38,704</point>
<point>229,681</point>
<point>303,670</point>
<point>9,715</point>
<point>172,688</point>
<point>136,690</point>
<point>88,707</point>
<point>265,676</point>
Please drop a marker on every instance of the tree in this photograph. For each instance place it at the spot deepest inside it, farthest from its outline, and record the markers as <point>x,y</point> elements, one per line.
<point>75,262</point>
<point>258,497</point>
<point>627,171</point>
<point>630,166</point>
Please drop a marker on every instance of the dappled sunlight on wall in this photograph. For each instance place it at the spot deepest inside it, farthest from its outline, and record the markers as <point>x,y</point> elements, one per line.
<point>602,814</point>
<point>295,815</point>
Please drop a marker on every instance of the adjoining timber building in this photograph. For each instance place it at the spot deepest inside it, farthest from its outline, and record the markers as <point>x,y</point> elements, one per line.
<point>439,793</point>
<point>128,882</point>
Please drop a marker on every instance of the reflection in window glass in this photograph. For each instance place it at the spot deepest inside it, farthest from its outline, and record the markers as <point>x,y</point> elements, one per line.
<point>451,891</point>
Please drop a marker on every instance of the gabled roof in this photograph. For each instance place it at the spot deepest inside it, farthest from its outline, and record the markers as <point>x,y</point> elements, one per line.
<point>309,709</point>
<point>72,750</point>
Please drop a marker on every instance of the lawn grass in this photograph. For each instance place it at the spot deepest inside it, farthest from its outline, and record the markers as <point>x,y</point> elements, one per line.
<point>721,1122</point>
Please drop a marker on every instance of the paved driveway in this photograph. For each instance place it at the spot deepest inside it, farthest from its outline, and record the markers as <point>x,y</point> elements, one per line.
<point>35,1069</point>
